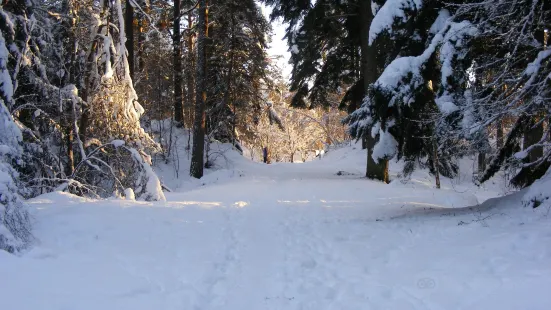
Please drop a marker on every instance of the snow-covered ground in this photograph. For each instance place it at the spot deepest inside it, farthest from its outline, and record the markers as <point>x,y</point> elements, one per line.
<point>287,236</point>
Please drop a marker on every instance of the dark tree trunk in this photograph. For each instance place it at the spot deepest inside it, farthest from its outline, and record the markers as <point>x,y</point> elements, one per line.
<point>481,163</point>
<point>229,77</point>
<point>141,43</point>
<point>190,78</point>
<point>177,53</point>
<point>196,169</point>
<point>436,164</point>
<point>141,34</point>
<point>499,134</point>
<point>532,136</point>
<point>533,133</point>
<point>70,46</point>
<point>375,170</point>
<point>129,28</point>
<point>70,158</point>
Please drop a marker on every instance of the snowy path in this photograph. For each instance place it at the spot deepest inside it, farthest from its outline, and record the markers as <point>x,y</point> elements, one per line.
<point>280,237</point>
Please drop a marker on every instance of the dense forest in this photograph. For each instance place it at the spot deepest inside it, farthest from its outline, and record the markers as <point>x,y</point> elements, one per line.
<point>94,93</point>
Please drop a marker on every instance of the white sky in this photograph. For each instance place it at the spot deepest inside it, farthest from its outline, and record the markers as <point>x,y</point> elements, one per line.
<point>278,47</point>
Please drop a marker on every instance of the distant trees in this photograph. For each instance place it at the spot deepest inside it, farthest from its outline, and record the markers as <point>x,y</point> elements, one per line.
<point>238,68</point>
<point>328,43</point>
<point>293,134</point>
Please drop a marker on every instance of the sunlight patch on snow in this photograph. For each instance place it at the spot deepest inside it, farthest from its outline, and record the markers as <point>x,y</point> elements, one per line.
<point>424,204</point>
<point>241,204</point>
<point>202,204</point>
<point>57,197</point>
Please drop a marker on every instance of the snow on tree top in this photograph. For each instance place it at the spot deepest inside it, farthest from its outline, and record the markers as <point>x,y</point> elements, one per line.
<point>391,10</point>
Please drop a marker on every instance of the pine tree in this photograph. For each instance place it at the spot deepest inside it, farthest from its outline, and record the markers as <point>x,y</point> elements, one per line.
<point>238,67</point>
<point>197,159</point>
<point>177,64</point>
<point>414,103</point>
<point>512,61</point>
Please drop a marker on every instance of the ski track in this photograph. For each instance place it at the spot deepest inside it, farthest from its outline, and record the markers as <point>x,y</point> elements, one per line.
<point>216,283</point>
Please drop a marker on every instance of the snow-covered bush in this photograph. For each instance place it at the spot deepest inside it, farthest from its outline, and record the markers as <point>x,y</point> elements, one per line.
<point>114,168</point>
<point>111,146</point>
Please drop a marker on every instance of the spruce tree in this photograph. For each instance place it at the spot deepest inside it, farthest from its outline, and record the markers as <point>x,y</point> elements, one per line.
<point>416,99</point>
<point>512,63</point>
<point>198,150</point>
<point>238,67</point>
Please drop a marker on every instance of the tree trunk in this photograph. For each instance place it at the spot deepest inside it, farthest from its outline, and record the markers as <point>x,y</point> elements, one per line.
<point>436,164</point>
<point>71,78</point>
<point>374,170</point>
<point>234,124</point>
<point>196,169</point>
<point>145,5</point>
<point>141,43</point>
<point>70,154</point>
<point>177,53</point>
<point>190,94</point>
<point>229,76</point>
<point>532,136</point>
<point>129,27</point>
<point>481,163</point>
<point>499,134</point>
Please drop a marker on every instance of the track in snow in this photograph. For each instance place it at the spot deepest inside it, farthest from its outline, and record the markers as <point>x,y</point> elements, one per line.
<point>279,238</point>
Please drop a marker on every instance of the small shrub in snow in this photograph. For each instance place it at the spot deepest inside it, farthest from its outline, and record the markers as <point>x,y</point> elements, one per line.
<point>539,193</point>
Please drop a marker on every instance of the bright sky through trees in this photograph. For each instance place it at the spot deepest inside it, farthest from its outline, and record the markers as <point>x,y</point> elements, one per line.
<point>278,46</point>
